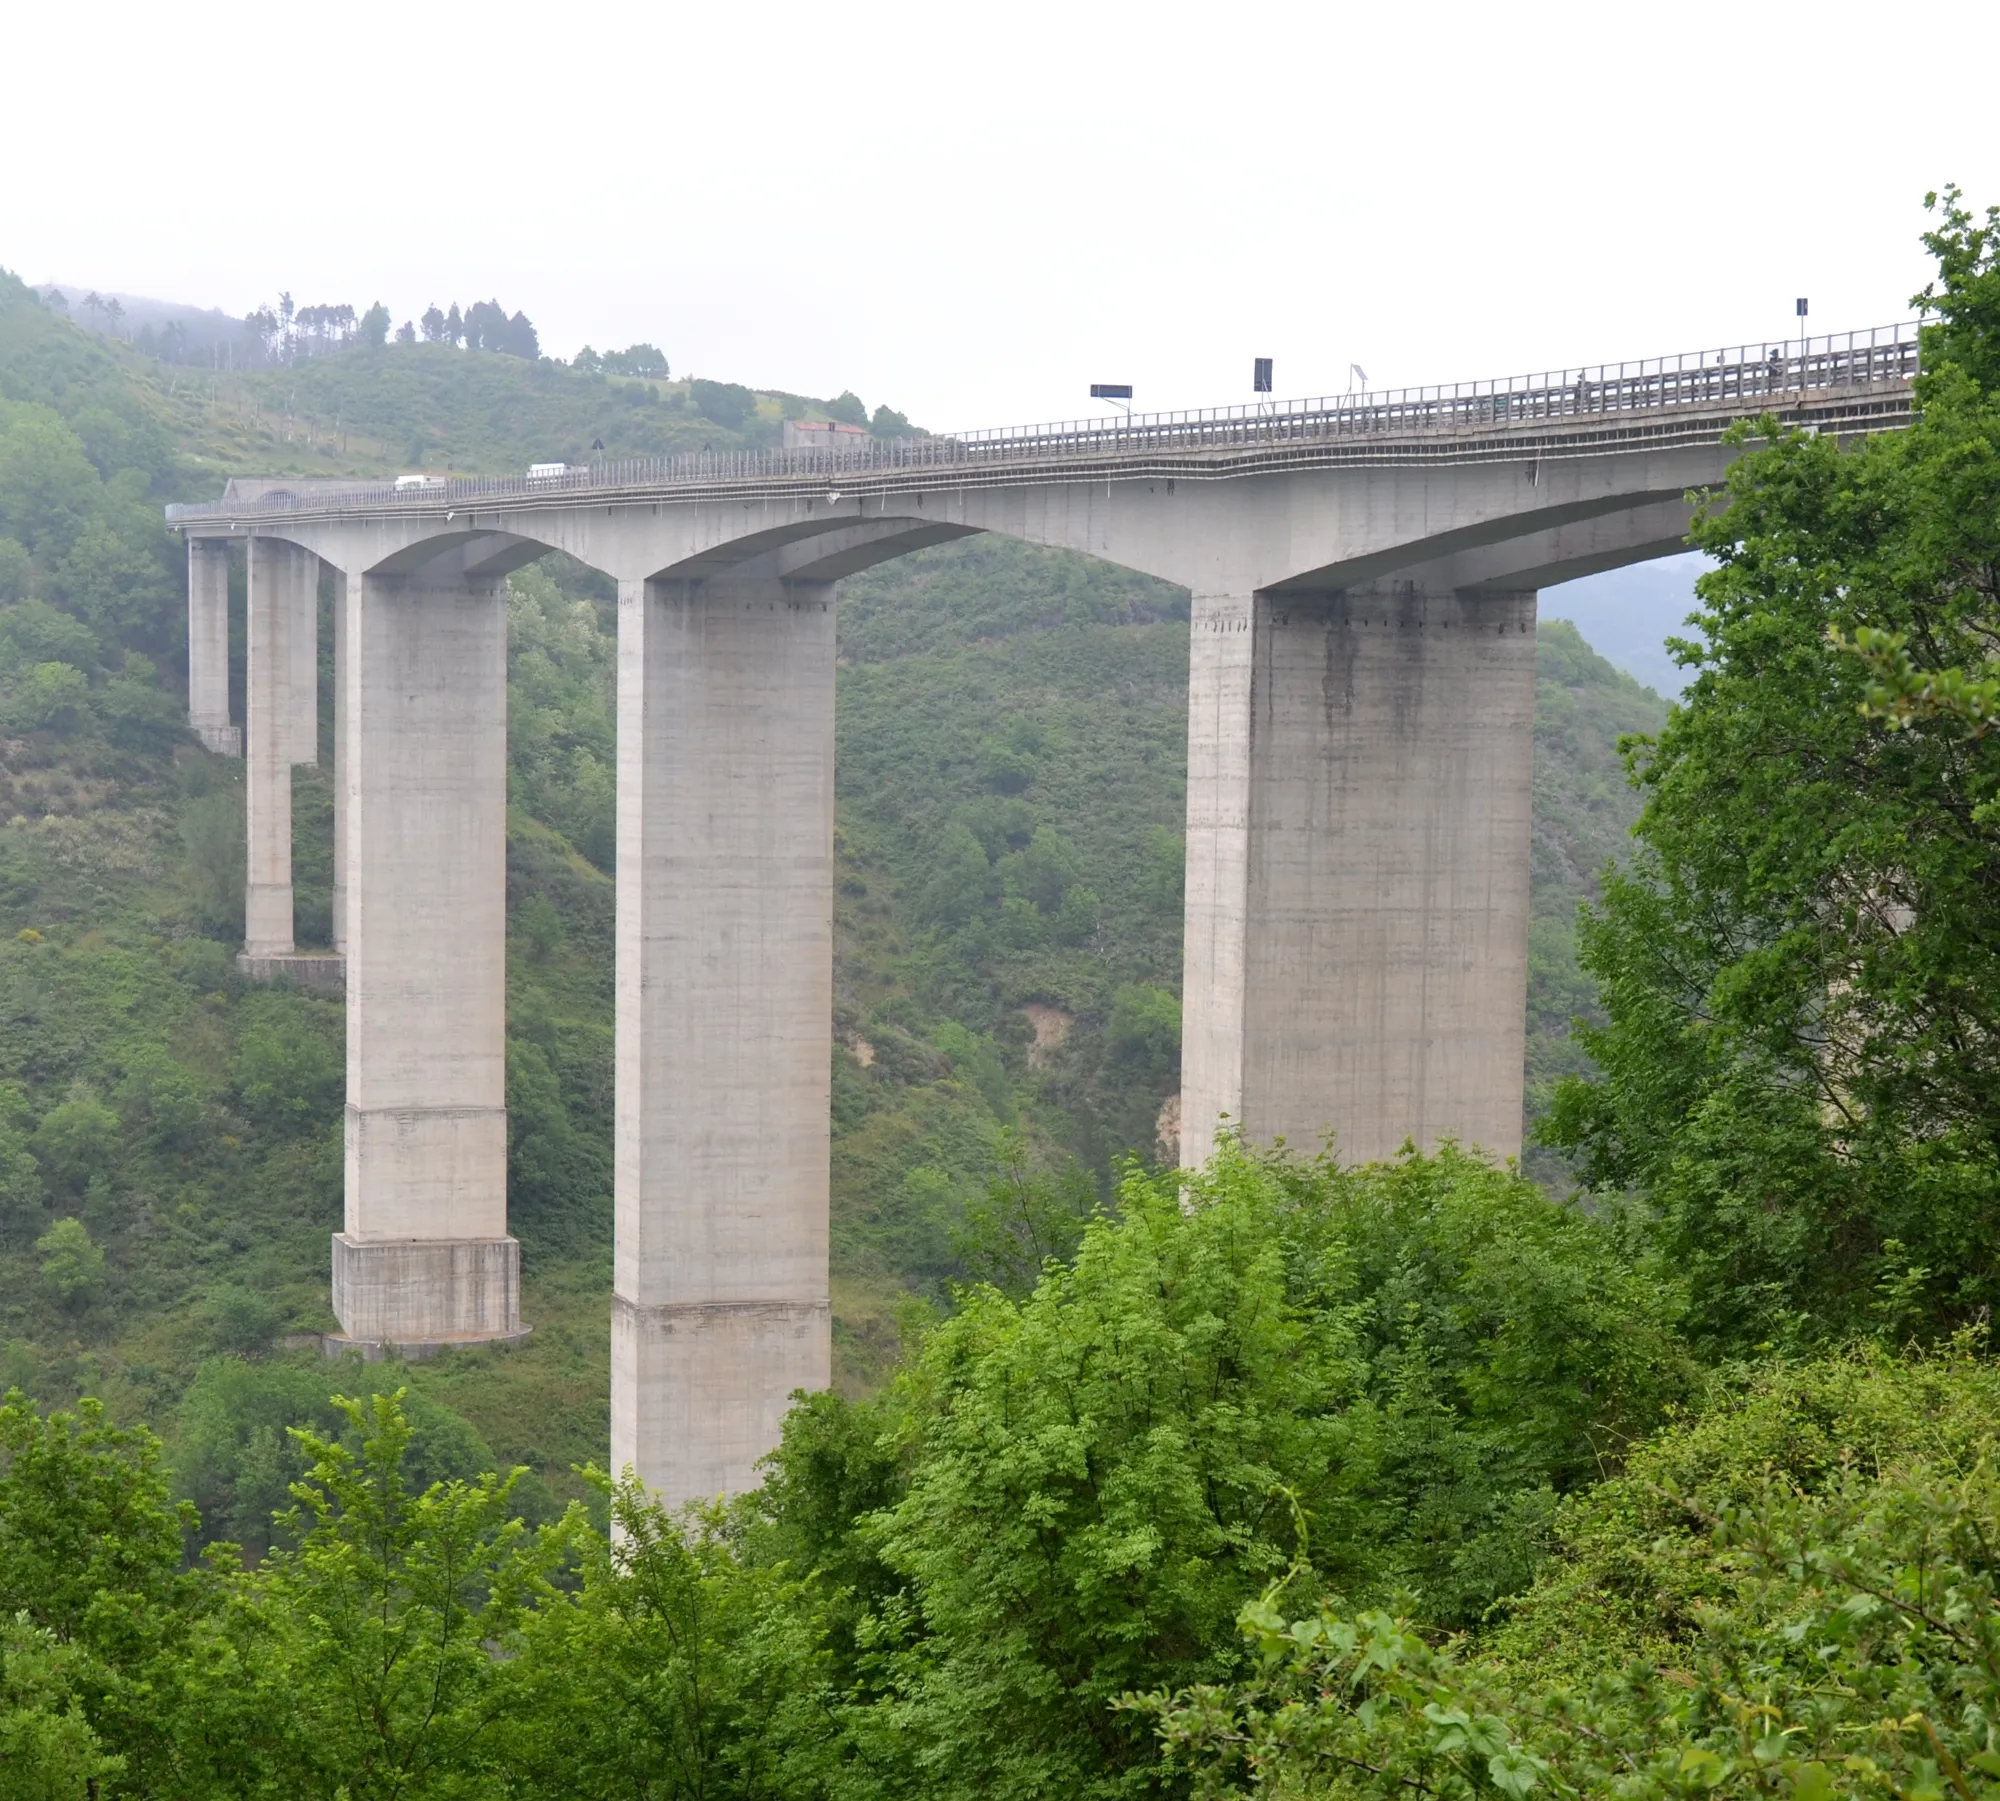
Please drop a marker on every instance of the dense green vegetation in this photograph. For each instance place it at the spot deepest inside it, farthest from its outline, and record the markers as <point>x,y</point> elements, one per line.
<point>1803,966</point>
<point>1422,1478</point>
<point>1011,750</point>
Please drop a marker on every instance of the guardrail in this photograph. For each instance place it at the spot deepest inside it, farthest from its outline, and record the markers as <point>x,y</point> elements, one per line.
<point>1738,377</point>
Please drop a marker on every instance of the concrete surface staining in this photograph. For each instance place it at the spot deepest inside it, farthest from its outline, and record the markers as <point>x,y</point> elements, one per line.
<point>302,638</point>
<point>1360,716</point>
<point>208,647</point>
<point>276,573</point>
<point>425,1252</point>
<point>1385,986</point>
<point>725,1022</point>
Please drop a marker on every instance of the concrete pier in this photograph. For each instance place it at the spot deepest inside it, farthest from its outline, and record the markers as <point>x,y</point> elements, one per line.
<point>724,1047</point>
<point>1216,906</point>
<point>425,1257</point>
<point>1360,743</point>
<point>341,739</point>
<point>208,646</point>
<point>302,640</point>
<point>277,573</point>
<point>1360,783</point>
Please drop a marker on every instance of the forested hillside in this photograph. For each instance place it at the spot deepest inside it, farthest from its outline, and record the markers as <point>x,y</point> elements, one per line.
<point>1421,1478</point>
<point>1011,765</point>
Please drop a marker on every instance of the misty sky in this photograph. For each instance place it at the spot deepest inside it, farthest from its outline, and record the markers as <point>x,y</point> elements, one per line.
<point>971,212</point>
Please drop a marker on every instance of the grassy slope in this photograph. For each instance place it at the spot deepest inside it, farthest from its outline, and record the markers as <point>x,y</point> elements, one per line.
<point>1028,704</point>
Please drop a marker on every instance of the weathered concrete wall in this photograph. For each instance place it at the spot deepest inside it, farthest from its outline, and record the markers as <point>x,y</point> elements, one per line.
<point>341,738</point>
<point>208,646</point>
<point>1214,957</point>
<point>1383,771</point>
<point>277,572</point>
<point>399,1292</point>
<point>426,818</point>
<point>724,1047</point>
<point>303,640</point>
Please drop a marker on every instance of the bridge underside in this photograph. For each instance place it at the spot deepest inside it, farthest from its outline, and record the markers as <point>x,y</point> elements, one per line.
<point>1361,699</point>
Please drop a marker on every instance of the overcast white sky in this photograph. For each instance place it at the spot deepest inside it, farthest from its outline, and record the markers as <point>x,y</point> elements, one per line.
<point>972,212</point>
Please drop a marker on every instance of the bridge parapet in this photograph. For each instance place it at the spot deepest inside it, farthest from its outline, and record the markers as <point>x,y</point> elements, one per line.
<point>1856,380</point>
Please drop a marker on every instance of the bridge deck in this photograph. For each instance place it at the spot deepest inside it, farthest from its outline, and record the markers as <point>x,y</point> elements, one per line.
<point>1852,382</point>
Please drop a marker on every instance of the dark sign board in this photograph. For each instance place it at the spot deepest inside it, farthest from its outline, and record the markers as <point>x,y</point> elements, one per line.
<point>1260,376</point>
<point>1111,390</point>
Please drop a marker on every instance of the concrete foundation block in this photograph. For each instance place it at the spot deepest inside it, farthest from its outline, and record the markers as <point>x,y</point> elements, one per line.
<point>406,1292</point>
<point>327,974</point>
<point>223,740</point>
<point>700,1390</point>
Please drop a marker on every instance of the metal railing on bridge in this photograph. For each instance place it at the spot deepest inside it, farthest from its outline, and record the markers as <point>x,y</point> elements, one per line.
<point>1739,379</point>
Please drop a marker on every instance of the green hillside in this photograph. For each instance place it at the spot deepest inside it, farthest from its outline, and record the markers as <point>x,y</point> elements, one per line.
<point>1012,757</point>
<point>384,409</point>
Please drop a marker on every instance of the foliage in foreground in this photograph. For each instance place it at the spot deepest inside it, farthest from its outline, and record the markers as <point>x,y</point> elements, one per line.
<point>1063,1495</point>
<point>1822,1626</point>
<point>1801,1068</point>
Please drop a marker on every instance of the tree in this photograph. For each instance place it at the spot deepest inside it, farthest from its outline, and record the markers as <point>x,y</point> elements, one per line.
<point>77,1141</point>
<point>51,697</point>
<point>363,1663</point>
<point>114,313</point>
<point>520,339</point>
<point>676,1670</point>
<point>637,359</point>
<point>91,1580</point>
<point>72,1262</point>
<point>454,326</point>
<point>1801,1067</point>
<point>485,325</point>
<point>1794,1595</point>
<point>434,324</point>
<point>48,1749</point>
<point>847,410</point>
<point>406,333</point>
<point>1407,1362</point>
<point>728,403</point>
<point>287,1070</point>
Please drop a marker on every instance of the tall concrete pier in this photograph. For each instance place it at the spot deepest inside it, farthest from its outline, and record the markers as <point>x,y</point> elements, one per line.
<point>281,576</point>
<point>1360,735</point>
<point>725,1021</point>
<point>1359,786</point>
<point>425,1256</point>
<point>208,646</point>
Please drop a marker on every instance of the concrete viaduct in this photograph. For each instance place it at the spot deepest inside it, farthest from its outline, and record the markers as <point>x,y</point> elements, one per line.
<point>1360,744</point>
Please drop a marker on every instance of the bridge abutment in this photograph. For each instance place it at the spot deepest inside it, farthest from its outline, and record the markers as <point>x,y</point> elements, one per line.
<point>1360,774</point>
<point>724,1033</point>
<point>425,1257</point>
